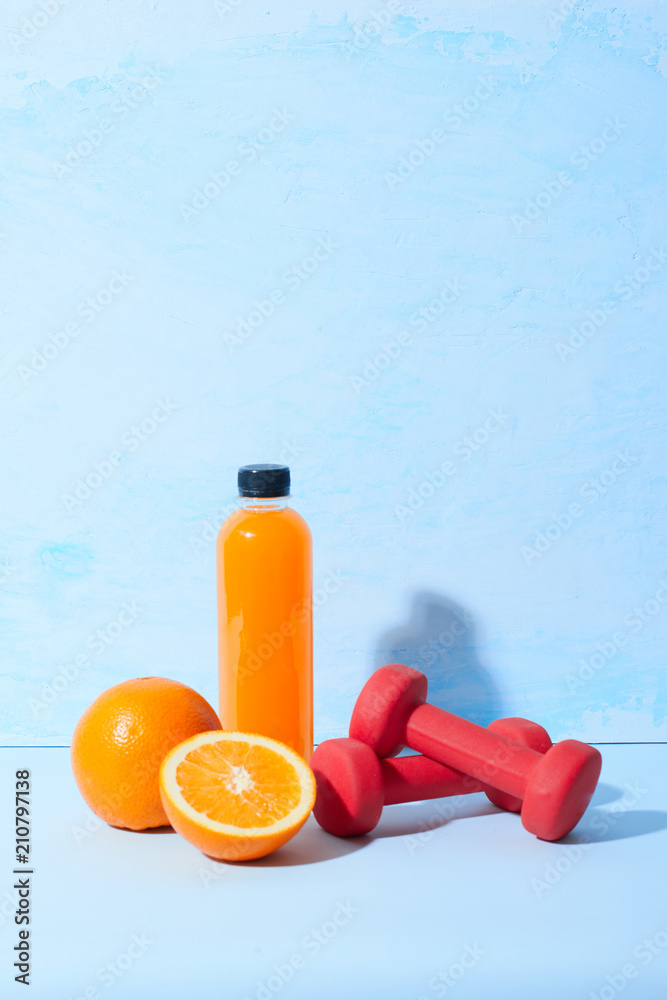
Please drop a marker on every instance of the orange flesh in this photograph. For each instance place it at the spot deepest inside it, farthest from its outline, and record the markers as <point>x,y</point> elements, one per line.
<point>238,783</point>
<point>265,626</point>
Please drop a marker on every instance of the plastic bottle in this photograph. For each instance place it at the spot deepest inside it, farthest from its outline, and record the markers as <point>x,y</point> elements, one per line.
<point>265,630</point>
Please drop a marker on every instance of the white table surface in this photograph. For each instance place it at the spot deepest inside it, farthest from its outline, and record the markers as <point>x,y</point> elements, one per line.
<point>554,921</point>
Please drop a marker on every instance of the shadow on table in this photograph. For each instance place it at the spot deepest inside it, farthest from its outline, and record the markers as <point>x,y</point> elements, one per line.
<point>602,825</point>
<point>151,831</point>
<point>310,846</point>
<point>439,638</point>
<point>604,794</point>
<point>313,845</point>
<point>430,814</point>
<point>421,818</point>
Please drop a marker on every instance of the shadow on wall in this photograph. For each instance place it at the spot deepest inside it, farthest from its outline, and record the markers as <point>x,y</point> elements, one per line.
<point>439,639</point>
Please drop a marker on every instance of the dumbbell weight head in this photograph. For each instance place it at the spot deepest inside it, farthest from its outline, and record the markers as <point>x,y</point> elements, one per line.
<point>387,700</point>
<point>350,787</point>
<point>386,703</point>
<point>560,788</point>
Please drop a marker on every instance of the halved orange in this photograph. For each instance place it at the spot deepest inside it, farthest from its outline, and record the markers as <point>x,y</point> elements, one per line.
<point>236,796</point>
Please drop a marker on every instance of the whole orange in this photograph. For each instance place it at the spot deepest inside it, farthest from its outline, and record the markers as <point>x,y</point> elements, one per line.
<point>121,740</point>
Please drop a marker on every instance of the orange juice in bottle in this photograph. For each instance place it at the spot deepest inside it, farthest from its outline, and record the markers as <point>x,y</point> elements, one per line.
<point>265,629</point>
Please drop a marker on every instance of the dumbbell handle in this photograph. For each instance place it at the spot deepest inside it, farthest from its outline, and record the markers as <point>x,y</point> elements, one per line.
<point>470,749</point>
<point>410,779</point>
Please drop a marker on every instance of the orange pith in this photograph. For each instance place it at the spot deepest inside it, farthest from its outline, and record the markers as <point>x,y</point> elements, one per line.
<point>236,796</point>
<point>238,783</point>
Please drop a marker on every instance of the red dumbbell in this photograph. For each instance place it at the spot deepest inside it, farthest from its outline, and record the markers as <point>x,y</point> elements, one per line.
<point>556,787</point>
<point>354,784</point>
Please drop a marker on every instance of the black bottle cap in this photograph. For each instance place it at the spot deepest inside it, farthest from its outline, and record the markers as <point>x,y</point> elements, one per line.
<point>264,480</point>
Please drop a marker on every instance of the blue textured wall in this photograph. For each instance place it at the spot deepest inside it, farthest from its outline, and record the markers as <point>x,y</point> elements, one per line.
<point>419,255</point>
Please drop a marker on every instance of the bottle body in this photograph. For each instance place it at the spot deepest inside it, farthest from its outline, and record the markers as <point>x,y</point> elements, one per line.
<point>264,568</point>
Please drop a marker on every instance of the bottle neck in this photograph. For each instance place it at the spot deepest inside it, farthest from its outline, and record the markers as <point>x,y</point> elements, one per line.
<point>261,505</point>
